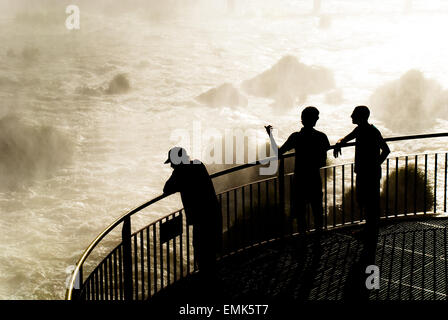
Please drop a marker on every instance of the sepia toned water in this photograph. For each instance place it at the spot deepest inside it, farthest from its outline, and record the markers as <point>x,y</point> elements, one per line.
<point>104,147</point>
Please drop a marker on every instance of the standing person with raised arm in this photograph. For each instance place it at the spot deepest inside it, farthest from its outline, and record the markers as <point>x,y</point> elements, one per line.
<point>370,152</point>
<point>311,148</point>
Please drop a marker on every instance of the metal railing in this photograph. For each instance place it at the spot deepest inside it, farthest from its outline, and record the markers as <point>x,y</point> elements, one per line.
<point>161,253</point>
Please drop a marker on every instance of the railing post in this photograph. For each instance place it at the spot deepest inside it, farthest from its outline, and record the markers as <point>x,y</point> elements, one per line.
<point>281,191</point>
<point>127,258</point>
<point>77,286</point>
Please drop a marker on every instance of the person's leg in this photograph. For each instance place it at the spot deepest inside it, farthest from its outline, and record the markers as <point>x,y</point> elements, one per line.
<point>299,205</point>
<point>301,216</point>
<point>316,206</point>
<point>372,218</point>
<point>316,203</point>
<point>368,197</point>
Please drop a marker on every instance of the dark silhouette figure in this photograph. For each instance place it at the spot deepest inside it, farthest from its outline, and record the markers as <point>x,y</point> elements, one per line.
<point>311,148</point>
<point>370,152</point>
<point>201,206</point>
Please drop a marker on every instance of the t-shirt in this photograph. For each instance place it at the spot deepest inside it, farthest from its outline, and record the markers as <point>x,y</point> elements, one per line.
<point>311,148</point>
<point>367,149</point>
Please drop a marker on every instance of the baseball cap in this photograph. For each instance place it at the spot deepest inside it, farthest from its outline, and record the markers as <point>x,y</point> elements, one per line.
<point>177,155</point>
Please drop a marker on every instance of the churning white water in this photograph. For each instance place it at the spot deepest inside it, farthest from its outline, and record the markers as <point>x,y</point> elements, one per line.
<point>87,115</point>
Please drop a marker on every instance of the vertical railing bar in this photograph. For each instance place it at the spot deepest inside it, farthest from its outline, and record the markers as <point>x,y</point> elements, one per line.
<point>148,260</point>
<point>106,280</point>
<point>259,216</point>
<point>235,223</point>
<point>334,196</point>
<point>352,202</point>
<point>181,248</point>
<point>343,194</point>
<point>168,262</point>
<point>97,289</point>
<point>426,183</point>
<point>116,275</point>
<point>187,229</point>
<point>88,291</point>
<point>229,233</point>
<point>175,255</point>
<point>251,210</point>
<point>268,210</point>
<point>243,216</point>
<point>134,238</point>
<point>415,184</point>
<point>195,261</point>
<point>91,285</point>
<point>281,195</point>
<point>406,186</point>
<point>101,282</point>
<point>154,246</point>
<point>435,183</point>
<point>396,186</point>
<point>111,279</point>
<point>387,188</point>
<point>291,204</point>
<point>88,286</point>
<point>326,197</point>
<point>82,289</point>
<point>127,259</point>
<point>120,272</point>
<point>142,264</point>
<point>445,185</point>
<point>162,274</point>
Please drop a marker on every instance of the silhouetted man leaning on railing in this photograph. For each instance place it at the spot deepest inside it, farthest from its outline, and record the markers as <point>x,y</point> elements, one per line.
<point>311,148</point>
<point>202,209</point>
<point>370,152</point>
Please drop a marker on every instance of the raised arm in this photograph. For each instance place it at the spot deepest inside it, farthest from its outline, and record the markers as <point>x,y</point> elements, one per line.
<point>274,145</point>
<point>288,145</point>
<point>341,142</point>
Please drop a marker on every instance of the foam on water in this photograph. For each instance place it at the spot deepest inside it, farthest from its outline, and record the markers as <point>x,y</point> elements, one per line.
<point>120,140</point>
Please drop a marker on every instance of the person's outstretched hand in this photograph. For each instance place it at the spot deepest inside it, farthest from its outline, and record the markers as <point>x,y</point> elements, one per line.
<point>268,129</point>
<point>337,150</point>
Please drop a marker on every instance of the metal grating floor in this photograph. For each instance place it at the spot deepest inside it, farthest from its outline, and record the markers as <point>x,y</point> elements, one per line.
<point>411,256</point>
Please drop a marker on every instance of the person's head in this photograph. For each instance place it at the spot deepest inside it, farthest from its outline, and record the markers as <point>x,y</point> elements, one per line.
<point>310,115</point>
<point>360,115</point>
<point>177,156</point>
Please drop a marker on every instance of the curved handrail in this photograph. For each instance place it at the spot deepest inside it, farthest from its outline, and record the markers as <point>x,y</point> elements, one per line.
<point>119,220</point>
<point>350,144</point>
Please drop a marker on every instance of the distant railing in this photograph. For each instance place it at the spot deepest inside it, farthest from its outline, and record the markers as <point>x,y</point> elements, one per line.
<point>154,257</point>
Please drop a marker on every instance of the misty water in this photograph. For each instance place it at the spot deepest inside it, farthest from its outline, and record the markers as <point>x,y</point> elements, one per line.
<point>87,116</point>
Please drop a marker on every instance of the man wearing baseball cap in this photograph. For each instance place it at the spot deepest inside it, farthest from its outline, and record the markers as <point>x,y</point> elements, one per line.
<point>202,209</point>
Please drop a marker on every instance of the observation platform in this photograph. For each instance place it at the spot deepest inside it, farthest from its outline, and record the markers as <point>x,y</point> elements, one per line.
<point>263,255</point>
<point>411,256</point>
